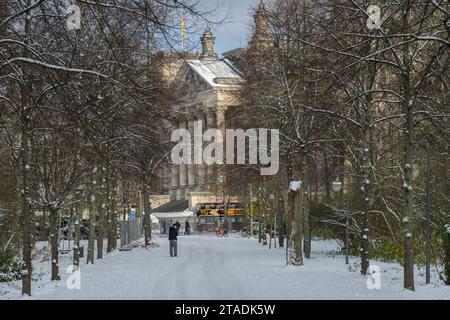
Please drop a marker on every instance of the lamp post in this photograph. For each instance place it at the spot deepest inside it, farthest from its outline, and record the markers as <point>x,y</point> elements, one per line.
<point>416,172</point>
<point>273,223</point>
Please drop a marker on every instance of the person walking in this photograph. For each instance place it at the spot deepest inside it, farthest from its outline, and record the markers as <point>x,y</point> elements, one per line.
<point>178,226</point>
<point>173,233</point>
<point>187,228</point>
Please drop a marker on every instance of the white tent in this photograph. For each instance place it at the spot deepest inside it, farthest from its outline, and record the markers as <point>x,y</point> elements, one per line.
<point>170,217</point>
<point>173,215</point>
<point>154,219</point>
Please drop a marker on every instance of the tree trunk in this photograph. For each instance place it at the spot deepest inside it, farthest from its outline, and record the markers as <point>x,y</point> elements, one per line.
<point>25,93</point>
<point>306,221</point>
<point>290,214</point>
<point>326,173</point>
<point>408,198</point>
<point>26,210</point>
<point>251,212</point>
<point>298,197</point>
<point>147,209</point>
<point>270,230</point>
<point>54,243</point>
<point>112,241</point>
<point>408,109</point>
<point>364,250</point>
<point>299,206</point>
<point>307,230</point>
<point>290,228</point>
<point>138,202</point>
<point>101,214</point>
<point>92,216</point>
<point>260,219</point>
<point>265,224</point>
<point>446,245</point>
<point>108,208</point>
<point>126,197</point>
<point>280,212</point>
<point>316,185</point>
<point>367,159</point>
<point>70,224</point>
<point>245,217</point>
<point>77,235</point>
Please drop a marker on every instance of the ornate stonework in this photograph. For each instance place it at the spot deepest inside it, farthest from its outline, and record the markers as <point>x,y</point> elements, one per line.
<point>206,87</point>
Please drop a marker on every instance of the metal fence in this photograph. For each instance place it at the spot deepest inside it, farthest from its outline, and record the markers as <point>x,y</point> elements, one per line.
<point>130,230</point>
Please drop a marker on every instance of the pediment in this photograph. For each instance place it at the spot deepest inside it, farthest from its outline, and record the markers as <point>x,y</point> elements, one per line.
<point>188,82</point>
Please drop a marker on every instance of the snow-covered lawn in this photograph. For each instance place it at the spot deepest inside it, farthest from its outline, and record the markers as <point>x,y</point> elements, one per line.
<point>224,268</point>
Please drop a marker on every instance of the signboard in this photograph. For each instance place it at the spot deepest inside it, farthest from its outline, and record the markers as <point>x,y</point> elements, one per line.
<point>218,209</point>
<point>133,214</point>
<point>236,211</point>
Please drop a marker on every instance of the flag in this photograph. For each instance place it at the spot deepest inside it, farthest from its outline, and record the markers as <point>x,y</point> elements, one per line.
<point>182,32</point>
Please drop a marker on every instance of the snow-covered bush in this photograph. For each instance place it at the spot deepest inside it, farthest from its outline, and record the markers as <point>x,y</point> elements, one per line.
<point>445,236</point>
<point>10,266</point>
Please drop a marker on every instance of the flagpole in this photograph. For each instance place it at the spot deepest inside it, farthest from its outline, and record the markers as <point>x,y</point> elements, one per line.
<point>182,33</point>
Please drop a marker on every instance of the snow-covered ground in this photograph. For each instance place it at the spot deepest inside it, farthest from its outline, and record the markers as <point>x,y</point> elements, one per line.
<point>224,268</point>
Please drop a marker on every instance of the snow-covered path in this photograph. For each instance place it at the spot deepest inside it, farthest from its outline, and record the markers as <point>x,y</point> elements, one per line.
<point>231,268</point>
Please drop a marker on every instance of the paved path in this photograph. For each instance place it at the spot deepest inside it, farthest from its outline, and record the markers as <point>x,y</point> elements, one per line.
<point>230,268</point>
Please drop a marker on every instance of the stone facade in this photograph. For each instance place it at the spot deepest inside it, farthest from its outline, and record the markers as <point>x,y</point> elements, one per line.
<point>206,87</point>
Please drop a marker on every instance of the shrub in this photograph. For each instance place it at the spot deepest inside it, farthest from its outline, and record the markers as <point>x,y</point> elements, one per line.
<point>387,250</point>
<point>444,233</point>
<point>10,266</point>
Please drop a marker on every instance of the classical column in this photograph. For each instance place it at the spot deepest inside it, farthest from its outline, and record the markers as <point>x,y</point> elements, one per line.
<point>175,176</point>
<point>211,124</point>
<point>202,168</point>
<point>221,125</point>
<point>174,173</point>
<point>192,168</point>
<point>183,168</point>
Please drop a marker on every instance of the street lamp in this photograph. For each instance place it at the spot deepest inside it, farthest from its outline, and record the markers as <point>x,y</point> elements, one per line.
<point>336,185</point>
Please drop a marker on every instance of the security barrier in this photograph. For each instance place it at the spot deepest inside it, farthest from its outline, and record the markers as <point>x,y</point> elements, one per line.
<point>130,230</point>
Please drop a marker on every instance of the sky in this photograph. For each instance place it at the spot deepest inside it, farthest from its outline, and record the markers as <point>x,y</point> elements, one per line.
<point>235,31</point>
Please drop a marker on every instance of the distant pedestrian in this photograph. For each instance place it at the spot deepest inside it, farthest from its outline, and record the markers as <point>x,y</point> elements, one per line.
<point>178,226</point>
<point>187,228</point>
<point>173,233</point>
<point>164,227</point>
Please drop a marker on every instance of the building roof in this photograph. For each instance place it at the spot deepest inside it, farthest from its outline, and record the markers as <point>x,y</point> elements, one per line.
<point>172,206</point>
<point>235,54</point>
<point>217,73</point>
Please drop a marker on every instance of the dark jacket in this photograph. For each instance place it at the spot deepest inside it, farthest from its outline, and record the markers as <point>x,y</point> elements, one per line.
<point>173,233</point>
